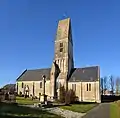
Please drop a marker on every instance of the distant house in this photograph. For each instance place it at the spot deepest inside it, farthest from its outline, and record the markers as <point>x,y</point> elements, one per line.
<point>8,88</point>
<point>107,92</point>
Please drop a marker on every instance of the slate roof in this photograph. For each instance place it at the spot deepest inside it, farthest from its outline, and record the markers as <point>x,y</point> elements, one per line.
<point>8,88</point>
<point>77,74</point>
<point>34,75</point>
<point>85,74</point>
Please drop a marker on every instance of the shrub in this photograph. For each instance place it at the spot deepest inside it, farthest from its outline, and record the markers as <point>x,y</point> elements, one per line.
<point>70,97</point>
<point>67,98</point>
<point>62,94</point>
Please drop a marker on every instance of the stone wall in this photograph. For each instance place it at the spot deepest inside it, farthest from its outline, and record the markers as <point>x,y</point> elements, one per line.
<point>86,96</point>
<point>37,88</point>
<point>81,90</point>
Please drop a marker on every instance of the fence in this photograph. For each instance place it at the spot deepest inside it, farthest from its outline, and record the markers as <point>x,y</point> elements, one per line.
<point>109,98</point>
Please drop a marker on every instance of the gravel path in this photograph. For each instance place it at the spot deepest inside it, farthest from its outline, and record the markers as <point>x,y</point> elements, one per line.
<point>101,111</point>
<point>65,113</point>
<point>59,111</point>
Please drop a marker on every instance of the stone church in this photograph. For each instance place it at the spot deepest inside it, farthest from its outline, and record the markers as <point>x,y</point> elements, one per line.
<point>84,81</point>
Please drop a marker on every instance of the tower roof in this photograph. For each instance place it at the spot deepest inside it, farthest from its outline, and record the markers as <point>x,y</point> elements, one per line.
<point>64,20</point>
<point>64,29</point>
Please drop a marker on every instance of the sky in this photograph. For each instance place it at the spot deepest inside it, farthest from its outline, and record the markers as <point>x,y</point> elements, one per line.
<point>28,28</point>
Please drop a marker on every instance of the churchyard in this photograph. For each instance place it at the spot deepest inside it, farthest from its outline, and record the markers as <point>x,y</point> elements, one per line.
<point>8,110</point>
<point>12,105</point>
<point>26,101</point>
<point>18,106</point>
<point>21,109</point>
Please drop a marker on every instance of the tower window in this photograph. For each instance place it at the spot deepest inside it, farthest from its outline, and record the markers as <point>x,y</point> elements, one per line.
<point>61,47</point>
<point>61,44</point>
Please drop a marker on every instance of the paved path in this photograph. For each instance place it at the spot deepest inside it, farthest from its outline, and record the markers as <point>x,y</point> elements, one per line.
<point>101,111</point>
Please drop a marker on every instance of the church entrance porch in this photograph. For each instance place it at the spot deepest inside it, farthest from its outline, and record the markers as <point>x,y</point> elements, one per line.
<point>26,91</point>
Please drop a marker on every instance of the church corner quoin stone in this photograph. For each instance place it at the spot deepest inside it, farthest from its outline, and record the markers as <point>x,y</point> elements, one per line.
<point>84,81</point>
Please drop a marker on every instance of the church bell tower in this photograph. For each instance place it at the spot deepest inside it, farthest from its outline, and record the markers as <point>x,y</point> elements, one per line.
<point>63,54</point>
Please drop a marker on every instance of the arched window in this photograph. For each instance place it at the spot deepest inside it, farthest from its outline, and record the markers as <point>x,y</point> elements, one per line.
<point>63,65</point>
<point>40,84</point>
<point>74,87</point>
<point>89,87</point>
<point>22,84</point>
<point>33,88</point>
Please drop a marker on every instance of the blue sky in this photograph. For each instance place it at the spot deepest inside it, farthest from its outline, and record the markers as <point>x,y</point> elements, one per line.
<point>28,27</point>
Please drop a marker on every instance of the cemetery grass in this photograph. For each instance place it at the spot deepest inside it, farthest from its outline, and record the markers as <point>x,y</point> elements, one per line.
<point>26,101</point>
<point>81,108</point>
<point>9,110</point>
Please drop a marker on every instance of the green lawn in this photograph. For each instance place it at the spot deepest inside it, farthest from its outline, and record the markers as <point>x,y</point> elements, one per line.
<point>81,108</point>
<point>15,111</point>
<point>114,110</point>
<point>26,101</point>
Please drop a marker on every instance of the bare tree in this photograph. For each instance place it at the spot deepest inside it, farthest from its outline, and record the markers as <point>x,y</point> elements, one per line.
<point>105,83</point>
<point>102,85</point>
<point>117,85</point>
<point>112,84</point>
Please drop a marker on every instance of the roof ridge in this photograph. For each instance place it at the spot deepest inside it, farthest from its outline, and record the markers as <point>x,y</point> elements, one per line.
<point>38,69</point>
<point>88,67</point>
